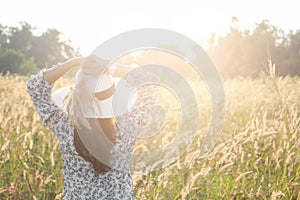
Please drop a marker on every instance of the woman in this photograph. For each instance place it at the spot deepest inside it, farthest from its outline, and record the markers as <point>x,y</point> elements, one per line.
<point>92,171</point>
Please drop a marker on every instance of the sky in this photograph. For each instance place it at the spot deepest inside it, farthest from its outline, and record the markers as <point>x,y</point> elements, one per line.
<point>89,23</point>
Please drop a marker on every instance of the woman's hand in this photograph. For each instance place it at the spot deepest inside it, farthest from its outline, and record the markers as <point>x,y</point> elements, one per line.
<point>94,66</point>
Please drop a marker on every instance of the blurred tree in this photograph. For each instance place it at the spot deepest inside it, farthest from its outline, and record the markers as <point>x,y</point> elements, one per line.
<point>11,60</point>
<point>3,38</point>
<point>291,63</point>
<point>247,52</point>
<point>21,51</point>
<point>19,39</point>
<point>49,50</point>
<point>28,67</point>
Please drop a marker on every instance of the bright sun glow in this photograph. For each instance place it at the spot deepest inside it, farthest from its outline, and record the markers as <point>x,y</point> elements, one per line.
<point>88,23</point>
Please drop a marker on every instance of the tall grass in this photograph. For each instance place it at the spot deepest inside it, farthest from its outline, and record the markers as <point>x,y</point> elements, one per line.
<point>256,157</point>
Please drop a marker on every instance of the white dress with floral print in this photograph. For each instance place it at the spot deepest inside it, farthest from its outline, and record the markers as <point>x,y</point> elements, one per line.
<point>81,181</point>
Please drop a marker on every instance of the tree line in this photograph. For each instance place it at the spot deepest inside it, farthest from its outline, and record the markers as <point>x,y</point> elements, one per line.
<point>248,52</point>
<point>239,52</point>
<point>22,52</point>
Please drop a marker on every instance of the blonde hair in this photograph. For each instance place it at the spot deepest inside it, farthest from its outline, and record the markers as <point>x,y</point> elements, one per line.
<point>68,100</point>
<point>99,167</point>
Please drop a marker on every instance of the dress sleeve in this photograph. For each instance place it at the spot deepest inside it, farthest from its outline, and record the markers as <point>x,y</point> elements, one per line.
<point>40,92</point>
<point>147,94</point>
<point>52,116</point>
<point>130,124</point>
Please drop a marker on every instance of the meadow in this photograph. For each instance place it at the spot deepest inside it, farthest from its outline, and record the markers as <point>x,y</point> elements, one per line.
<point>256,157</point>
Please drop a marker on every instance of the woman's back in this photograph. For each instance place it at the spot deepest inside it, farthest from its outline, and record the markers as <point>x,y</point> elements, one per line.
<point>82,180</point>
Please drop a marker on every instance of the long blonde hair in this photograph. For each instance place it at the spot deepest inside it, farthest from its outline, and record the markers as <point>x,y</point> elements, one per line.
<point>99,167</point>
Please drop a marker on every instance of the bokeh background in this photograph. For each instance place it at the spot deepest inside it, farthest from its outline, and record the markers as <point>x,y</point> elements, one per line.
<point>256,48</point>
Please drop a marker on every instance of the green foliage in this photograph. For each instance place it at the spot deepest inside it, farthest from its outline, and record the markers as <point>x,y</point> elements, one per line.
<point>19,39</point>
<point>247,52</point>
<point>22,52</point>
<point>28,67</point>
<point>11,60</point>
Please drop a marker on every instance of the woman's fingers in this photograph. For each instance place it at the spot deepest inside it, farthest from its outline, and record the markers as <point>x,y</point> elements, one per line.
<point>94,61</point>
<point>94,65</point>
<point>78,61</point>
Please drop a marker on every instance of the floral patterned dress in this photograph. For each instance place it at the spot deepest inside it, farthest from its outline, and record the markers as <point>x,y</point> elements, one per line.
<point>81,181</point>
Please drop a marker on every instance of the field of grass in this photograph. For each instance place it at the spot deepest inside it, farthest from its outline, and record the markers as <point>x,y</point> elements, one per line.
<point>256,157</point>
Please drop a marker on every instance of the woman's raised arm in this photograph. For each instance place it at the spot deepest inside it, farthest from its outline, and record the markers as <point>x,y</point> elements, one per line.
<point>54,73</point>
